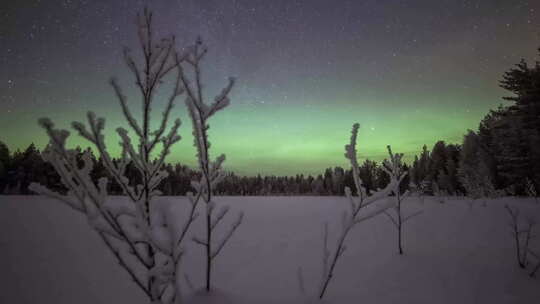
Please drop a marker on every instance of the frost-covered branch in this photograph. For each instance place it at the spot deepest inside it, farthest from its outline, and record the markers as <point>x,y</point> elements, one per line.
<point>395,169</point>
<point>123,263</point>
<point>362,208</point>
<point>83,195</point>
<point>211,171</point>
<point>133,228</point>
<point>227,236</point>
<point>194,201</point>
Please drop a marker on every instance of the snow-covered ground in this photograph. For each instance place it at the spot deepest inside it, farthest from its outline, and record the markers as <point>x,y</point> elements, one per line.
<point>453,254</point>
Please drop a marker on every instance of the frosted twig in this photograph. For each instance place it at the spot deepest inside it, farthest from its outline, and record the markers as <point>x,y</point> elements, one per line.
<point>354,216</point>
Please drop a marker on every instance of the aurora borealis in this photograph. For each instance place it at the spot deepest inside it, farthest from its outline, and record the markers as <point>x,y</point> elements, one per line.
<point>410,72</point>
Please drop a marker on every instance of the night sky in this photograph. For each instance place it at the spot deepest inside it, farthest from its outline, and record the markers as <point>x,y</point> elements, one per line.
<point>410,72</point>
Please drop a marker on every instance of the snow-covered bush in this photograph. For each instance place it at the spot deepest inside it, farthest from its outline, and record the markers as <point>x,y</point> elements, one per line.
<point>211,171</point>
<point>136,231</point>
<point>395,169</point>
<point>363,206</point>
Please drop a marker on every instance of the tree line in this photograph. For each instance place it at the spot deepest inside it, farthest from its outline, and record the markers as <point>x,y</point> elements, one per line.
<point>20,168</point>
<point>501,157</point>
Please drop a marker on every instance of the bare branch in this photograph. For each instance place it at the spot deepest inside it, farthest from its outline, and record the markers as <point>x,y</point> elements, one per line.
<point>391,218</point>
<point>122,263</point>
<point>125,109</point>
<point>405,219</point>
<point>221,214</point>
<point>198,241</point>
<point>228,235</point>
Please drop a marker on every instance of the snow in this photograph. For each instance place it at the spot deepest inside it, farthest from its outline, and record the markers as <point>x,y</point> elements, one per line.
<point>453,254</point>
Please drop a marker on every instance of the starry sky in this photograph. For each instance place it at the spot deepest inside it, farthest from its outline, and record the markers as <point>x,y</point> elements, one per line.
<point>410,72</point>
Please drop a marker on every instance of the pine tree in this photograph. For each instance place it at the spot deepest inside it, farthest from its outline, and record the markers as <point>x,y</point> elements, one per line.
<point>520,130</point>
<point>473,172</point>
<point>368,174</point>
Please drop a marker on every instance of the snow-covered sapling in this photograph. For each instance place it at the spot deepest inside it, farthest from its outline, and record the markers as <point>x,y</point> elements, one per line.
<point>136,232</point>
<point>357,213</point>
<point>530,189</point>
<point>211,171</point>
<point>395,169</point>
<point>421,190</point>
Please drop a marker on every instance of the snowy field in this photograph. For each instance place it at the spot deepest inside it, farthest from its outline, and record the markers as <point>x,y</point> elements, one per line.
<point>453,254</point>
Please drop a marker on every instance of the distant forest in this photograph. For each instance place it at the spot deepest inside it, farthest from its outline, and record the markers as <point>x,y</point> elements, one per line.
<point>502,157</point>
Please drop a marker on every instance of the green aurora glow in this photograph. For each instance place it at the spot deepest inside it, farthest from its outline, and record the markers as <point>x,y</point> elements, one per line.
<point>306,71</point>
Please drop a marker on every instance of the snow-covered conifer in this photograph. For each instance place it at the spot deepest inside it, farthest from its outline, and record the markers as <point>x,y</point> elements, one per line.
<point>137,233</point>
<point>211,171</point>
<point>474,173</point>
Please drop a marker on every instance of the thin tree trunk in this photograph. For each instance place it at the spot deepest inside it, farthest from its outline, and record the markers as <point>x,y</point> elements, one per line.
<point>533,272</point>
<point>518,253</point>
<point>334,261</point>
<point>208,251</point>
<point>206,172</point>
<point>399,224</point>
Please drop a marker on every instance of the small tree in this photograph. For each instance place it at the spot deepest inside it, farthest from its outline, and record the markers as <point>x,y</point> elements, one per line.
<point>530,189</point>
<point>140,236</point>
<point>211,171</point>
<point>394,168</point>
<point>422,189</point>
<point>358,203</point>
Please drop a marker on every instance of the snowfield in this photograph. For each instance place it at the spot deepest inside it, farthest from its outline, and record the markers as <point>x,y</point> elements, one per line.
<point>453,254</point>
